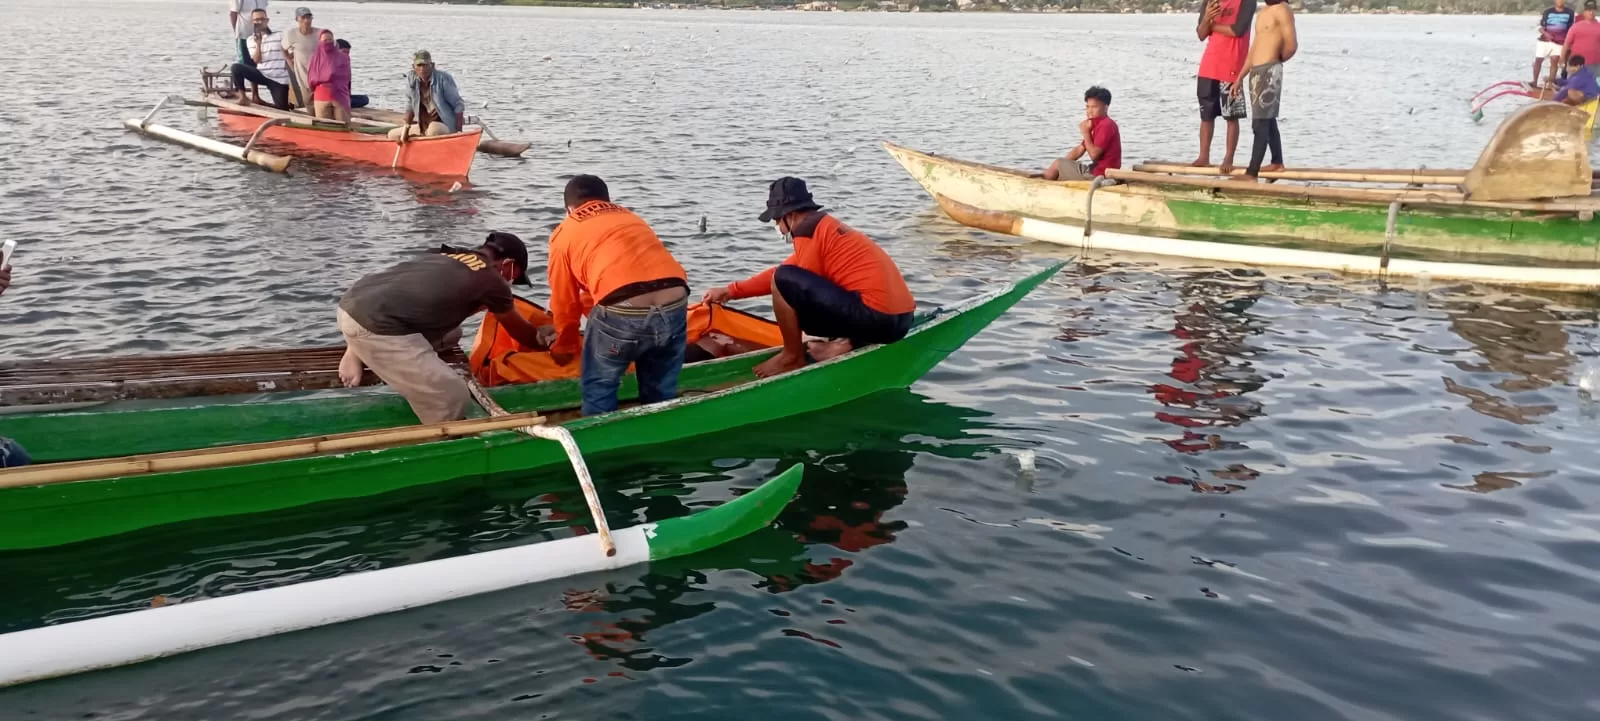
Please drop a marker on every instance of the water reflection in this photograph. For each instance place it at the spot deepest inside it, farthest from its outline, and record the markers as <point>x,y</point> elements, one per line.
<point>857,457</point>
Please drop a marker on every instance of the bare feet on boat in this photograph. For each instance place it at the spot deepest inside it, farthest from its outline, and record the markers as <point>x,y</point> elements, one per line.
<point>822,350</point>
<point>350,369</point>
<point>1201,162</point>
<point>781,363</point>
<point>1226,167</point>
<point>1245,178</point>
<point>1272,168</point>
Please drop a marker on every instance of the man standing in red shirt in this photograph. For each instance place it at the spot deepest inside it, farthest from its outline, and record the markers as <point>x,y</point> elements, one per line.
<point>1583,38</point>
<point>1102,141</point>
<point>1225,27</point>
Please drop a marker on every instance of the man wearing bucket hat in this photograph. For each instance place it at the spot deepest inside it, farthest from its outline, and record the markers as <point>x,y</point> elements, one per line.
<point>435,106</point>
<point>395,321</point>
<point>837,284</point>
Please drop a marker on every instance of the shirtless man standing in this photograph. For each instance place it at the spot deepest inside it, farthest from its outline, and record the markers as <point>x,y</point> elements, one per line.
<point>1275,42</point>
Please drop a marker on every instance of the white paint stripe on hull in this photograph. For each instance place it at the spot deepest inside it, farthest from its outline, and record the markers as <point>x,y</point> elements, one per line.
<point>1072,235</point>
<point>137,636</point>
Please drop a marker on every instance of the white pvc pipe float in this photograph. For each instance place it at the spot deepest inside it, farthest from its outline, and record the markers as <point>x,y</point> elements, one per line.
<point>1072,235</point>
<point>127,638</point>
<point>274,163</point>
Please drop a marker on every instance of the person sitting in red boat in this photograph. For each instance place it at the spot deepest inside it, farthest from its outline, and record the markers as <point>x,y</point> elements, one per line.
<point>270,68</point>
<point>434,106</point>
<point>395,321</point>
<point>837,284</point>
<point>1102,141</point>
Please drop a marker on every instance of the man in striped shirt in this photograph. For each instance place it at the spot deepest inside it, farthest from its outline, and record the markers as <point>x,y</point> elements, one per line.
<point>270,68</point>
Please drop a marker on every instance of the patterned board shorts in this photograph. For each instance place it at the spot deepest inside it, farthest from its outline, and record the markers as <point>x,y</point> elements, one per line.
<point>1217,100</point>
<point>1266,90</point>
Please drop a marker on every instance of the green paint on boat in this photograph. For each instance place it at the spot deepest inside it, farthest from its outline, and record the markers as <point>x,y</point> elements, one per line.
<point>1440,232</point>
<point>40,516</point>
<point>734,519</point>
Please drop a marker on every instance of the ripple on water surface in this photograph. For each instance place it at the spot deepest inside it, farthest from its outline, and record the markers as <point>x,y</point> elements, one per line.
<point>1251,496</point>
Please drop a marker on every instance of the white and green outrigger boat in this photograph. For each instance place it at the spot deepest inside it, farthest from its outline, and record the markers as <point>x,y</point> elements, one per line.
<point>128,638</point>
<point>1524,215</point>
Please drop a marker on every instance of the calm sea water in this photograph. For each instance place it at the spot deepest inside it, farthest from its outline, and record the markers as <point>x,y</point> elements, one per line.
<point>1258,495</point>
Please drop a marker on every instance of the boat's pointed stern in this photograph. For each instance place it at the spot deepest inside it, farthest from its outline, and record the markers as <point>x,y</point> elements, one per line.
<point>740,517</point>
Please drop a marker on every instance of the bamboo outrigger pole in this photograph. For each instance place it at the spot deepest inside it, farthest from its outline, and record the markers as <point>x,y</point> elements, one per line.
<point>68,472</point>
<point>246,154</point>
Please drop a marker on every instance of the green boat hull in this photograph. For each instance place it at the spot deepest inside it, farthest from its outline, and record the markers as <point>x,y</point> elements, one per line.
<point>49,515</point>
<point>1438,233</point>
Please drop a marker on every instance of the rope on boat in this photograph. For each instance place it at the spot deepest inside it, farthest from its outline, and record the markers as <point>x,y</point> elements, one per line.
<point>574,455</point>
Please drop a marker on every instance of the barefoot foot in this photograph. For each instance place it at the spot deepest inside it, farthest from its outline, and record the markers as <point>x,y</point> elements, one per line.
<point>350,369</point>
<point>1201,162</point>
<point>780,364</point>
<point>822,350</point>
<point>1245,178</point>
<point>1272,168</point>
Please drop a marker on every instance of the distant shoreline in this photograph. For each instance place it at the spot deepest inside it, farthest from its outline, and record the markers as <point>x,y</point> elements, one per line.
<point>1327,8</point>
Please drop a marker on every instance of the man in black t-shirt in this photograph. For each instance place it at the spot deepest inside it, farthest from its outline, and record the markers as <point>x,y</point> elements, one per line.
<point>395,321</point>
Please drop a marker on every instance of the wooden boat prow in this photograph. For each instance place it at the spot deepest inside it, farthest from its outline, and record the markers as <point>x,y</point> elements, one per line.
<point>1377,222</point>
<point>1541,151</point>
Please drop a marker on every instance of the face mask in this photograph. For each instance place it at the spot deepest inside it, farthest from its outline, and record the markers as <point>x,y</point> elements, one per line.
<point>786,235</point>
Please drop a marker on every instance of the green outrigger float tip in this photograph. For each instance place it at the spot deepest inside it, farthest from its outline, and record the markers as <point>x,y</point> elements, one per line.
<point>124,496</point>
<point>128,638</point>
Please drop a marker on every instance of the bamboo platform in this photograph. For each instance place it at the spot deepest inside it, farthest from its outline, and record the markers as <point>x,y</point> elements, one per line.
<point>87,380</point>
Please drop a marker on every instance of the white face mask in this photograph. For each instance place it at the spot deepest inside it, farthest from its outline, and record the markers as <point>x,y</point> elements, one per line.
<point>787,236</point>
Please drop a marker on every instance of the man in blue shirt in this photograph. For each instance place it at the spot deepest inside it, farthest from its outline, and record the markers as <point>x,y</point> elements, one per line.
<point>435,106</point>
<point>1580,86</point>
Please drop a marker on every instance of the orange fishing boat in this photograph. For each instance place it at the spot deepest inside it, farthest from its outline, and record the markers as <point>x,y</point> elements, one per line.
<point>449,155</point>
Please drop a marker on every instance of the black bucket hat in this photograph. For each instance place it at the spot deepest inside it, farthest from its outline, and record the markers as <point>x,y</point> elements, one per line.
<point>787,195</point>
<point>506,245</point>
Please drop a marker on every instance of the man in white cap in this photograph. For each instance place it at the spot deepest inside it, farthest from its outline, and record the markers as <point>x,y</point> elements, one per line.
<point>299,44</point>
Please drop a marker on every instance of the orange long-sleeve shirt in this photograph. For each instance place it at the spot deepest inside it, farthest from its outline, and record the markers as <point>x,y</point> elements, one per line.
<point>847,258</point>
<point>599,248</point>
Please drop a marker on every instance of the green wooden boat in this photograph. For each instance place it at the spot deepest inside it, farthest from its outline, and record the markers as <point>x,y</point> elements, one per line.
<point>1518,217</point>
<point>125,488</point>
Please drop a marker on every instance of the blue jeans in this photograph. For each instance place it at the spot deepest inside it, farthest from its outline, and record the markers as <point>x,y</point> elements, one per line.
<point>652,339</point>
<point>11,454</point>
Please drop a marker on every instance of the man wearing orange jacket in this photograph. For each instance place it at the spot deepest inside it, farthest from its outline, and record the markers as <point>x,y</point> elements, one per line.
<point>603,251</point>
<point>837,284</point>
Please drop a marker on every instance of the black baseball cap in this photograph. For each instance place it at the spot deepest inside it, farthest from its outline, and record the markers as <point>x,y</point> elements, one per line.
<point>787,195</point>
<point>506,245</point>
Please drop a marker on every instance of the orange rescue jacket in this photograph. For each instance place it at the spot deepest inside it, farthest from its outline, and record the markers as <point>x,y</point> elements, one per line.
<point>599,248</point>
<point>847,258</point>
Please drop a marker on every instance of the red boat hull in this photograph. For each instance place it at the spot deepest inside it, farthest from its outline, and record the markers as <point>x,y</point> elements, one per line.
<point>450,155</point>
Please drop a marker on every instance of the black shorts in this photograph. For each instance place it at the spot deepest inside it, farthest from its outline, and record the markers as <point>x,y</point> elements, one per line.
<point>829,311</point>
<point>1215,100</point>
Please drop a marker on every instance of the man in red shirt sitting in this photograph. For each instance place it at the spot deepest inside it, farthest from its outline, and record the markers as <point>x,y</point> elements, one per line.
<point>838,284</point>
<point>1102,141</point>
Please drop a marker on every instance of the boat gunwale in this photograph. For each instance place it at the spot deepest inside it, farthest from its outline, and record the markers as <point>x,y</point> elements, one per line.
<point>1574,205</point>
<point>941,315</point>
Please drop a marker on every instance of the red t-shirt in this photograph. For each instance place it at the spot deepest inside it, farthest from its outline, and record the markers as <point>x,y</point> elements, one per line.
<point>1224,55</point>
<point>1105,134</point>
<point>1584,37</point>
